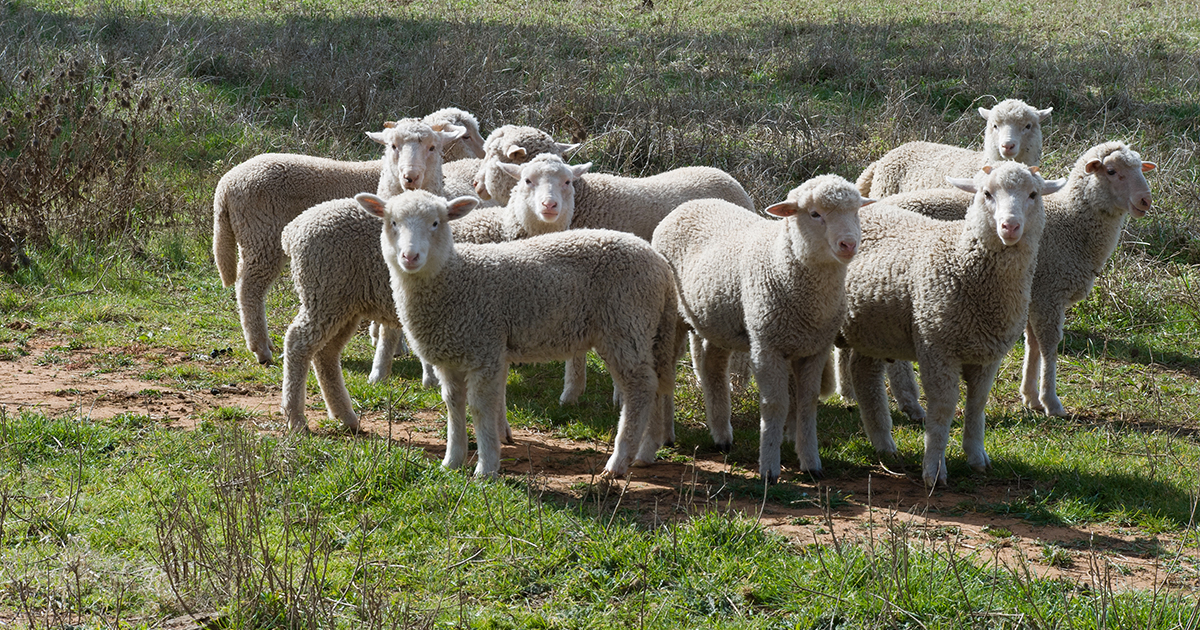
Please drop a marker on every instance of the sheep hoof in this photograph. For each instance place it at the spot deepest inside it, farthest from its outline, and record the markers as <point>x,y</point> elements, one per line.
<point>725,447</point>
<point>916,414</point>
<point>641,463</point>
<point>608,475</point>
<point>816,473</point>
<point>771,478</point>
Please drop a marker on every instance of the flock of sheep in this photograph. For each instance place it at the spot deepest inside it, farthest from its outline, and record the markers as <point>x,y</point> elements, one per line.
<point>937,254</point>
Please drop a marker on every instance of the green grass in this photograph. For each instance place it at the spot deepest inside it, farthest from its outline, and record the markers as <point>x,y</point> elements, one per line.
<point>153,522</point>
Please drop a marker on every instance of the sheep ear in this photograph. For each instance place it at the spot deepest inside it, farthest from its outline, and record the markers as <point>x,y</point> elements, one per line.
<point>1053,186</point>
<point>515,152</point>
<point>985,112</point>
<point>449,133</point>
<point>459,207</point>
<point>1034,169</point>
<point>514,170</point>
<point>1043,114</point>
<point>783,209</point>
<point>377,136</point>
<point>866,201</point>
<point>371,203</point>
<point>579,169</point>
<point>987,169</point>
<point>962,183</point>
<point>563,148</point>
<point>1092,166</point>
<point>1148,166</point>
<point>389,124</point>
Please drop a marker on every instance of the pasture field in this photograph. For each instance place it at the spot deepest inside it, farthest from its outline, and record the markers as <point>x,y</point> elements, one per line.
<point>145,476</point>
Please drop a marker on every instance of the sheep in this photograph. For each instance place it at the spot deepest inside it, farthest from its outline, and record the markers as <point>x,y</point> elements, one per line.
<point>330,246</point>
<point>471,310</point>
<point>1013,133</point>
<point>773,288</point>
<point>951,295</point>
<point>513,145</point>
<point>252,203</point>
<point>460,158</point>
<point>1083,223</point>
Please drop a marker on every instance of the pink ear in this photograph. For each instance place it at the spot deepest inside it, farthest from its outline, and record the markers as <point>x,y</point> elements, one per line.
<point>371,203</point>
<point>1148,166</point>
<point>515,152</point>
<point>783,209</point>
<point>459,207</point>
<point>1034,169</point>
<point>1092,166</point>
<point>987,169</point>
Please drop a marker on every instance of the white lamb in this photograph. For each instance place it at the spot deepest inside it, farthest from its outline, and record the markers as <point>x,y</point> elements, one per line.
<point>254,200</point>
<point>471,310</point>
<point>775,289</point>
<point>340,277</point>
<point>510,144</point>
<point>1083,226</point>
<point>951,295</point>
<point>1013,133</point>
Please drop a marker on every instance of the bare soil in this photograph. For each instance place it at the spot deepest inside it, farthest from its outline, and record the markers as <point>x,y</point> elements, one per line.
<point>881,505</point>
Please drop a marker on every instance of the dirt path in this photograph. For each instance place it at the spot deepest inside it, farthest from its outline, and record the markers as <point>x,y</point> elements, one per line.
<point>884,505</point>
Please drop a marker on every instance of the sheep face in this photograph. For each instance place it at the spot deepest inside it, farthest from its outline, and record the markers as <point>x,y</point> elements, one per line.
<point>1014,132</point>
<point>511,145</point>
<point>470,145</point>
<point>1121,176</point>
<point>545,192</point>
<point>413,150</point>
<point>416,231</point>
<point>1010,194</point>
<point>824,213</point>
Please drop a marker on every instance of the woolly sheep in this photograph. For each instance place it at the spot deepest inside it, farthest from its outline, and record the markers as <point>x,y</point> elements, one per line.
<point>339,275</point>
<point>775,289</point>
<point>951,295</point>
<point>461,157</point>
<point>510,144</point>
<point>637,205</point>
<point>1013,133</point>
<point>253,202</point>
<point>471,310</point>
<point>1083,225</point>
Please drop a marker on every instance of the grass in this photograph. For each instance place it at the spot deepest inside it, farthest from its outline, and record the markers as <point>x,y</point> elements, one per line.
<point>123,522</point>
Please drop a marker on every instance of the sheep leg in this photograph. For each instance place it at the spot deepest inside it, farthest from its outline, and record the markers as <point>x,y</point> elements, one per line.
<point>979,379</point>
<point>1031,366</point>
<point>429,376</point>
<point>485,398</point>
<point>903,381</point>
<point>327,363</point>
<point>845,380</point>
<point>712,364</point>
<point>638,383</point>
<point>1048,331</point>
<point>806,374</point>
<point>868,375</point>
<point>574,380</point>
<point>454,394</point>
<point>299,343</point>
<point>661,430</point>
<point>940,381</point>
<point>255,276</point>
<point>387,342</point>
<point>772,373</point>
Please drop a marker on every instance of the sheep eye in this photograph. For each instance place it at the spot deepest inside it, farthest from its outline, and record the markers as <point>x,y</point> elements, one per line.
<point>1112,171</point>
<point>1028,126</point>
<point>1033,195</point>
<point>431,148</point>
<point>814,214</point>
<point>528,182</point>
<point>435,224</point>
<point>987,194</point>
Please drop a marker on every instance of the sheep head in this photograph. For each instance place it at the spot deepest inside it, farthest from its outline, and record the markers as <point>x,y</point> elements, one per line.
<point>1014,132</point>
<point>824,208</point>
<point>544,197</point>
<point>413,152</point>
<point>1011,195</point>
<point>1120,171</point>
<point>416,231</point>
<point>512,145</point>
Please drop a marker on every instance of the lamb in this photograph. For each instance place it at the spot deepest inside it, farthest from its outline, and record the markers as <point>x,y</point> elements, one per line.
<point>460,158</point>
<point>340,277</point>
<point>510,144</point>
<point>1013,133</point>
<point>773,288</point>
<point>953,296</point>
<point>471,310</point>
<point>1083,222</point>
<point>252,203</point>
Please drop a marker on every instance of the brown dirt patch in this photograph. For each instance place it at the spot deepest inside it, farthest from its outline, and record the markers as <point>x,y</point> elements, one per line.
<point>885,504</point>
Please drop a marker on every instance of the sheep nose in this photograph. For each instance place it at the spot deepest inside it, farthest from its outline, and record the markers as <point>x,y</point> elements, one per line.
<point>411,179</point>
<point>1011,230</point>
<point>1144,203</point>
<point>847,248</point>
<point>550,204</point>
<point>410,260</point>
<point>481,189</point>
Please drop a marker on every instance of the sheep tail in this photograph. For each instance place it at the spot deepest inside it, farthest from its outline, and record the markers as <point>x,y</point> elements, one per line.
<point>224,241</point>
